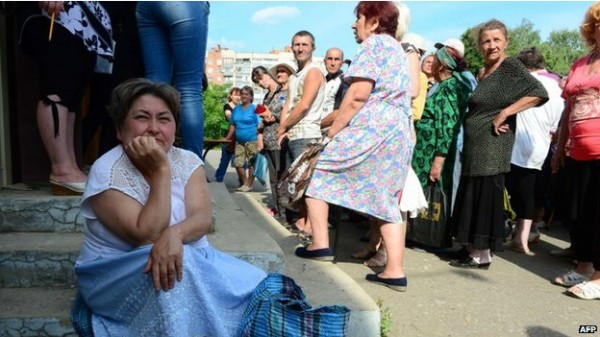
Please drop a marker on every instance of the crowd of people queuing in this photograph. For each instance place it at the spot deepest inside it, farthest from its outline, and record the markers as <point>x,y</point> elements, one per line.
<point>478,149</point>
<point>397,110</point>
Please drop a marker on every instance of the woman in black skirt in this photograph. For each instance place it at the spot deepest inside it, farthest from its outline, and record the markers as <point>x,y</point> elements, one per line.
<point>505,89</point>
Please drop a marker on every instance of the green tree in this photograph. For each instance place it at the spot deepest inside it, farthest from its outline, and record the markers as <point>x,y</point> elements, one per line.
<point>562,49</point>
<point>472,55</point>
<point>214,99</point>
<point>521,37</point>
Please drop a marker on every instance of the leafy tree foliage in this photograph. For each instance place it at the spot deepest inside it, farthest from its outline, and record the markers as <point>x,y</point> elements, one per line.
<point>521,37</point>
<point>214,99</point>
<point>561,49</point>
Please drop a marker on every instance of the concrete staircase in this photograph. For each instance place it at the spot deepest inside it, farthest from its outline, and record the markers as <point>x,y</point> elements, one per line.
<point>40,238</point>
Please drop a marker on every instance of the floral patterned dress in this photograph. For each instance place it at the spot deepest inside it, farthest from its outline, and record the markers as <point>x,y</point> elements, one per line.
<point>364,166</point>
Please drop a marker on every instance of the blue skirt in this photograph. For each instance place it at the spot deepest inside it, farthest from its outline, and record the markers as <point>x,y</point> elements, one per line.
<point>208,301</point>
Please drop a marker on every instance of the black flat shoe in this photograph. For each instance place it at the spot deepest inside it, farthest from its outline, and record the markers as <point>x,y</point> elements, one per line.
<point>469,263</point>
<point>324,254</point>
<point>398,284</point>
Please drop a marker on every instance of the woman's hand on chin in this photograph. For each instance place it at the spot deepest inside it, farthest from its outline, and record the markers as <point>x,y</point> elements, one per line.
<point>146,154</point>
<point>165,262</point>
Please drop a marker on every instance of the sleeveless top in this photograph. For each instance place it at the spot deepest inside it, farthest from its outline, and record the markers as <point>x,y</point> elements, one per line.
<point>310,125</point>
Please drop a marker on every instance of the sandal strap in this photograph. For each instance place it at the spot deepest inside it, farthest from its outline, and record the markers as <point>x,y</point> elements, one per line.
<point>589,290</point>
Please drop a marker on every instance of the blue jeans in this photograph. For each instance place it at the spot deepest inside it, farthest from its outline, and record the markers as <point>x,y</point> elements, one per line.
<point>225,160</point>
<point>296,147</point>
<point>173,36</point>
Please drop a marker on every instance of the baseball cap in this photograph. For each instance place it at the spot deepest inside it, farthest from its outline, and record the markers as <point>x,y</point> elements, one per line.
<point>416,40</point>
<point>453,43</point>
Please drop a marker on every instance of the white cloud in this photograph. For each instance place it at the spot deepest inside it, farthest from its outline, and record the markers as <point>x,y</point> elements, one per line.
<point>275,15</point>
<point>225,43</point>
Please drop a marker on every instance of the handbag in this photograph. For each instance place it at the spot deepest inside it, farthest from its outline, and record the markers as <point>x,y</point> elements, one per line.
<point>261,169</point>
<point>294,181</point>
<point>430,226</point>
<point>278,308</point>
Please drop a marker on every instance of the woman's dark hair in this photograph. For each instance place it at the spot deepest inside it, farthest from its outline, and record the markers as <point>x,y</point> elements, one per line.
<point>383,11</point>
<point>258,73</point>
<point>248,89</point>
<point>491,25</point>
<point>532,58</point>
<point>126,93</point>
<point>231,91</point>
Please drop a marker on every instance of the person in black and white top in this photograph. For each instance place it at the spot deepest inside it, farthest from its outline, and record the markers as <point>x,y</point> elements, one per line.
<point>335,87</point>
<point>66,39</point>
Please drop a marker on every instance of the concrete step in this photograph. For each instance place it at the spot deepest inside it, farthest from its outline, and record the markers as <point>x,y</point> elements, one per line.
<point>38,259</point>
<point>36,312</point>
<point>38,211</point>
<point>324,283</point>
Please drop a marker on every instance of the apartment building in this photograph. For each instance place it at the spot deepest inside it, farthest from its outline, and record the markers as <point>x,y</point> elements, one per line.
<point>225,66</point>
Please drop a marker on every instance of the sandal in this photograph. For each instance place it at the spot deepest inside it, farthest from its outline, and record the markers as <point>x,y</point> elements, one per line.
<point>364,254</point>
<point>515,247</point>
<point>570,279</point>
<point>379,259</point>
<point>304,236</point>
<point>585,291</point>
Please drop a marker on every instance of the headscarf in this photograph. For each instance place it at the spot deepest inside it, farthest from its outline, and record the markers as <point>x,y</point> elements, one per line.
<point>446,59</point>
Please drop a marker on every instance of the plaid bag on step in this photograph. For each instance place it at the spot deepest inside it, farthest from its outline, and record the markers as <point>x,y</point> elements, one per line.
<point>278,308</point>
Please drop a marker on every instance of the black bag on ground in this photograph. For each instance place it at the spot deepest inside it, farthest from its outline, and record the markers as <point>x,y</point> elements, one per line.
<point>430,227</point>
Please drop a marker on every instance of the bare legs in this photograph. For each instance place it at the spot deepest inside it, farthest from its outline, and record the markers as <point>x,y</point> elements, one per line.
<point>60,149</point>
<point>521,238</point>
<point>317,213</point>
<point>246,176</point>
<point>393,236</point>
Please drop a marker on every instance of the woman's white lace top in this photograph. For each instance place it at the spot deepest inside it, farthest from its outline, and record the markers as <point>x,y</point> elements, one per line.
<point>115,171</point>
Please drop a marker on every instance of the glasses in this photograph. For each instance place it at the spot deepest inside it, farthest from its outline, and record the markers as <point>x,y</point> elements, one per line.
<point>282,70</point>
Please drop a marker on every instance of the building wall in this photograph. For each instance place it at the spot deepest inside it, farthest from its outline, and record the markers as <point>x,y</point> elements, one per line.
<point>225,66</point>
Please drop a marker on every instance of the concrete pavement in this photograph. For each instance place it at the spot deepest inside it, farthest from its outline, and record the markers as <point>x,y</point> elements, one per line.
<point>513,298</point>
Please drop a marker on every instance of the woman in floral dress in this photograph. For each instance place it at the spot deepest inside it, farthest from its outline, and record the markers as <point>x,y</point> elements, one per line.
<point>364,166</point>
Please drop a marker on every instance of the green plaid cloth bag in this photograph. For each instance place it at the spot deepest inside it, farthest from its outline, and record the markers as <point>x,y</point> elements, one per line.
<point>278,308</point>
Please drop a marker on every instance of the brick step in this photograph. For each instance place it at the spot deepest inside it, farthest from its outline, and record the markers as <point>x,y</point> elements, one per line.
<point>38,211</point>
<point>38,259</point>
<point>36,312</point>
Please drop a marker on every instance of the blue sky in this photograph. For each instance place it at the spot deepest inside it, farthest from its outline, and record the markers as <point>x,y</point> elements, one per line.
<point>260,26</point>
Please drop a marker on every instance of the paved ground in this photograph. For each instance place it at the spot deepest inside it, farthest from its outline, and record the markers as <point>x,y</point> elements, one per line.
<point>512,298</point>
